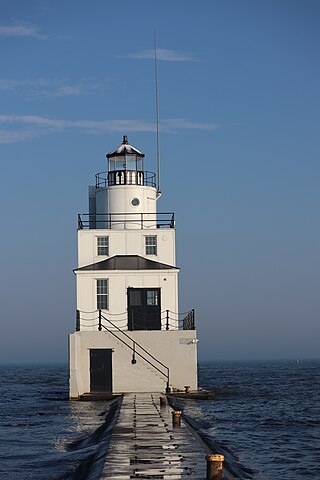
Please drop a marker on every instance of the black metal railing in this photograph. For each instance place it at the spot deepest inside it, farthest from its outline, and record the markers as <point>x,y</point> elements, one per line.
<point>179,321</point>
<point>169,320</point>
<point>125,177</point>
<point>189,321</point>
<point>141,220</point>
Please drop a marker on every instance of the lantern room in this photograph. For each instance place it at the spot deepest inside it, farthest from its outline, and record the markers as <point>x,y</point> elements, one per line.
<point>125,157</point>
<point>125,167</point>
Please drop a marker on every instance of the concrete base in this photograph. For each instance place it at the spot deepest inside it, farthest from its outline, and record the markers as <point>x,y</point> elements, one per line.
<point>196,395</point>
<point>176,349</point>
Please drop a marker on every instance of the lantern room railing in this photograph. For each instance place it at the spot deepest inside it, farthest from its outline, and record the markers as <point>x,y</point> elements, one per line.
<point>125,177</point>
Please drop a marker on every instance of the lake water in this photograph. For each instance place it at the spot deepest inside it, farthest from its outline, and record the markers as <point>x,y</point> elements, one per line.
<point>265,419</point>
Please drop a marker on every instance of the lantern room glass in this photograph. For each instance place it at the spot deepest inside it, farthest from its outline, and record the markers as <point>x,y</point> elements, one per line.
<point>125,162</point>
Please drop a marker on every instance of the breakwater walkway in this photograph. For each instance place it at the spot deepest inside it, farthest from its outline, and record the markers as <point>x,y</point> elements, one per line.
<point>144,444</point>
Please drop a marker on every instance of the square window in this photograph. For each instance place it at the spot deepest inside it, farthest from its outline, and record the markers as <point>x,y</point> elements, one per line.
<point>135,297</point>
<point>151,244</point>
<point>103,245</point>
<point>152,297</point>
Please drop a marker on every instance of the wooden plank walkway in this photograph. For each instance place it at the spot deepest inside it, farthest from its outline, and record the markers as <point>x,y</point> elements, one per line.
<point>145,445</point>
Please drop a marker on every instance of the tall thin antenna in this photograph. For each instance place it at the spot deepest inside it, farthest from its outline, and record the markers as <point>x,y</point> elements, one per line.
<point>157,111</point>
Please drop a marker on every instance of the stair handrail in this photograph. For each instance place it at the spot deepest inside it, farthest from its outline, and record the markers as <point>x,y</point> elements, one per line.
<point>167,375</point>
<point>134,341</point>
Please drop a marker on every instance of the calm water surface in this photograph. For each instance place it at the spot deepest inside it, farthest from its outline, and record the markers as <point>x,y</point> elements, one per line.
<point>265,419</point>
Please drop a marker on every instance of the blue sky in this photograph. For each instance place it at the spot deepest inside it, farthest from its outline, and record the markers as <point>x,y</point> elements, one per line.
<point>239,114</point>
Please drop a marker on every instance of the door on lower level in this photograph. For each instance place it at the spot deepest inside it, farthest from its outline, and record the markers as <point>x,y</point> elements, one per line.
<point>144,309</point>
<point>101,370</point>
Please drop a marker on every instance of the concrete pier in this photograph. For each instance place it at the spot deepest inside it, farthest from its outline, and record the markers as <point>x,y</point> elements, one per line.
<point>144,443</point>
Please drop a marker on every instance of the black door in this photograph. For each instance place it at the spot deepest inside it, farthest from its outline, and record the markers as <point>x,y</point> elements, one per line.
<point>144,309</point>
<point>101,370</point>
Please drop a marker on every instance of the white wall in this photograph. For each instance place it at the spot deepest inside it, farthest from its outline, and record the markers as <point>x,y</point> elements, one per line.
<point>117,200</point>
<point>120,196</point>
<point>175,349</point>
<point>126,242</point>
<point>119,281</point>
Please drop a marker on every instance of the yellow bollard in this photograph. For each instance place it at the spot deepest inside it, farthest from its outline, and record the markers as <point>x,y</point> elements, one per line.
<point>176,418</point>
<point>214,466</point>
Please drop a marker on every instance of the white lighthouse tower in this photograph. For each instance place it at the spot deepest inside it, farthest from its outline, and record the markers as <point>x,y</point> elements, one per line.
<point>130,336</point>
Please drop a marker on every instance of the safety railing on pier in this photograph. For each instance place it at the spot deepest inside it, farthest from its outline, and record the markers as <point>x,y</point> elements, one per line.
<point>118,333</point>
<point>140,220</point>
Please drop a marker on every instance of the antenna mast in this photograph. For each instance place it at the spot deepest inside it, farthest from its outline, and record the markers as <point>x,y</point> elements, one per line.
<point>157,112</point>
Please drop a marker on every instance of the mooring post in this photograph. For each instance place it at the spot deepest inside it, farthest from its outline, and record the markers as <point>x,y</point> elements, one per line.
<point>187,389</point>
<point>214,466</point>
<point>163,400</point>
<point>176,418</point>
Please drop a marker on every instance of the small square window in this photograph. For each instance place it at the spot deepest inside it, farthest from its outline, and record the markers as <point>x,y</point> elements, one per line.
<point>152,297</point>
<point>103,245</point>
<point>151,244</point>
<point>135,297</point>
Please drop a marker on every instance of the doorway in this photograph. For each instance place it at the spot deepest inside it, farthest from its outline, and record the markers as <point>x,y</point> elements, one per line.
<point>144,309</point>
<point>101,370</point>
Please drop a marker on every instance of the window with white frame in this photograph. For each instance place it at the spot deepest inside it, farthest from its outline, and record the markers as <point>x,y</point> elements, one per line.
<point>102,294</point>
<point>103,245</point>
<point>151,244</point>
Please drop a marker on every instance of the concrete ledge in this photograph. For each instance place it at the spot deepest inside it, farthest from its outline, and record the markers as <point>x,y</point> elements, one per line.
<point>98,397</point>
<point>199,395</point>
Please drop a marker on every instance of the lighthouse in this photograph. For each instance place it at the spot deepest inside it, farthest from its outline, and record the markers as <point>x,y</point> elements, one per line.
<point>130,335</point>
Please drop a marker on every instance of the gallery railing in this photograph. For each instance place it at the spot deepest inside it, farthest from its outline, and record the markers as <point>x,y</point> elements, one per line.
<point>125,177</point>
<point>169,320</point>
<point>139,220</point>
